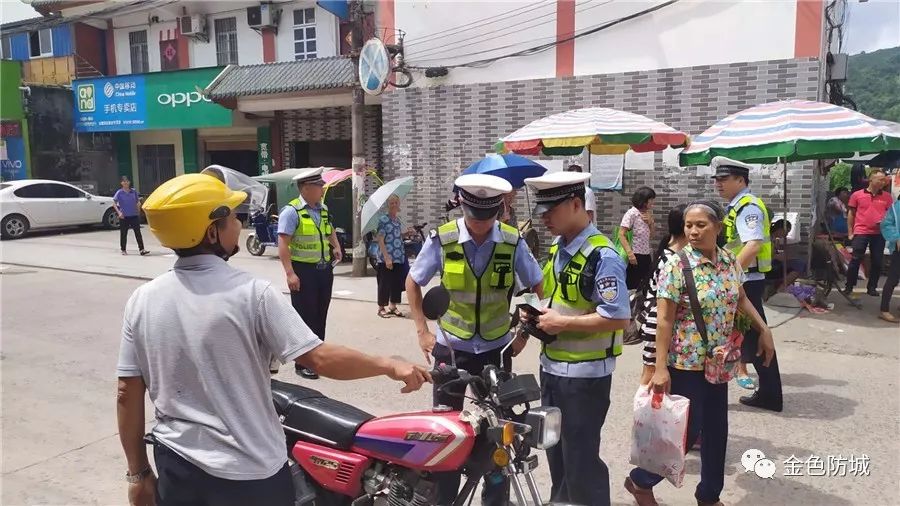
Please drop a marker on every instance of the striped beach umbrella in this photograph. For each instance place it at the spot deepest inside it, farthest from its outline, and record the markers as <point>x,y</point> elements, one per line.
<point>791,131</point>
<point>603,131</point>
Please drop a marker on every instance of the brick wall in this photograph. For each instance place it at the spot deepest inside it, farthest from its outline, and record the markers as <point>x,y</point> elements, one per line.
<point>331,124</point>
<point>434,133</point>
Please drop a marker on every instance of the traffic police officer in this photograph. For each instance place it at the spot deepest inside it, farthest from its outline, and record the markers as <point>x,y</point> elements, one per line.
<point>305,232</point>
<point>587,310</point>
<point>479,260</point>
<point>746,232</point>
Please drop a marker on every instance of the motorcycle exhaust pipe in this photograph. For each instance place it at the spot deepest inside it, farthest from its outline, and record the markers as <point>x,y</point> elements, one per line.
<point>304,494</point>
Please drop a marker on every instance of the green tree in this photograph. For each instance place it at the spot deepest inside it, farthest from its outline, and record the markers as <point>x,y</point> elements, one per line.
<point>873,82</point>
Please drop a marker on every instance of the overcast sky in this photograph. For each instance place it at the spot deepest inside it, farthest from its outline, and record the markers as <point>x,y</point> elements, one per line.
<point>871,25</point>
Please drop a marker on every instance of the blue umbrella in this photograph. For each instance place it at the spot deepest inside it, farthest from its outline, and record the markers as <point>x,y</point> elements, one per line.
<point>511,167</point>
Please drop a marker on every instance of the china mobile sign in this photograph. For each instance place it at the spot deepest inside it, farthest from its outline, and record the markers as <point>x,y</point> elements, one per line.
<point>161,100</point>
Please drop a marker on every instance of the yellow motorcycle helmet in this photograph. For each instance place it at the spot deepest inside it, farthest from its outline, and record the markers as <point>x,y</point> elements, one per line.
<point>180,210</point>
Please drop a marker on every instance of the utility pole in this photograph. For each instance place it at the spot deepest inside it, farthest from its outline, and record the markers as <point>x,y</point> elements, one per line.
<point>357,116</point>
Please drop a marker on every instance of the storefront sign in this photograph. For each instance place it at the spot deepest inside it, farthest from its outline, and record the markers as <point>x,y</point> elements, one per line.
<point>10,128</point>
<point>158,100</point>
<point>12,159</point>
<point>264,146</point>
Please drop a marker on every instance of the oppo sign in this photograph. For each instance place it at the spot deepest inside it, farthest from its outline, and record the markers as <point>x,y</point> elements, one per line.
<point>186,99</point>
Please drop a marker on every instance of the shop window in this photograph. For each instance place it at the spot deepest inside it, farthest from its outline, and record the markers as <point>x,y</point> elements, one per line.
<point>156,165</point>
<point>140,60</point>
<point>304,34</point>
<point>226,41</point>
<point>41,43</point>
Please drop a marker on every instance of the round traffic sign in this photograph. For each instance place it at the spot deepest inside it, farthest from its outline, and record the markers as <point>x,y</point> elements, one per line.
<point>374,67</point>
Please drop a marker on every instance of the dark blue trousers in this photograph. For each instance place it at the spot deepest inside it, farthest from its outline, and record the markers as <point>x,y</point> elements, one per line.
<point>769,377</point>
<point>314,297</point>
<point>578,473</point>
<point>709,413</point>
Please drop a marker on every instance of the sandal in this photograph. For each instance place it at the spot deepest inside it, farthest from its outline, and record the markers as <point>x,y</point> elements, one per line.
<point>746,382</point>
<point>384,314</point>
<point>396,312</point>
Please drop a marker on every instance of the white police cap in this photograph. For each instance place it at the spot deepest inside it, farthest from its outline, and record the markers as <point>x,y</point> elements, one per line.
<point>555,188</point>
<point>311,176</point>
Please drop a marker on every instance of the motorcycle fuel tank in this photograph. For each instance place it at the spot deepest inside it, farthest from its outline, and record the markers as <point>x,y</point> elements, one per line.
<point>426,441</point>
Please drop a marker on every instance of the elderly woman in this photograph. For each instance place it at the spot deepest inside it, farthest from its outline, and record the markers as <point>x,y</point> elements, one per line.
<point>681,352</point>
<point>390,260</point>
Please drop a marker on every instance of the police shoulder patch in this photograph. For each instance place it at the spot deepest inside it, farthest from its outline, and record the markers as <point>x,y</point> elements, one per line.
<point>751,220</point>
<point>608,288</point>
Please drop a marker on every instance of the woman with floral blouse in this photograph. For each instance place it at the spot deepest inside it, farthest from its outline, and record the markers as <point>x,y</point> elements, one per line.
<point>681,353</point>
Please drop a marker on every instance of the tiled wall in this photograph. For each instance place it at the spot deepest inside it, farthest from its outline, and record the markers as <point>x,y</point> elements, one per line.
<point>332,124</point>
<point>433,133</point>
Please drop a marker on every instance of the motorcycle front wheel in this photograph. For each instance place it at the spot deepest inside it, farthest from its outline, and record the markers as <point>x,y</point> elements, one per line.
<point>255,247</point>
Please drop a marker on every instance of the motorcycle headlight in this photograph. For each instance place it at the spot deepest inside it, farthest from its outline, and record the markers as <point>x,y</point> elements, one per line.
<point>546,427</point>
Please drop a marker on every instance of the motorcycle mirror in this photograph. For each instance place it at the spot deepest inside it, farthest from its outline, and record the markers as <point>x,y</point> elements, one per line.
<point>436,302</point>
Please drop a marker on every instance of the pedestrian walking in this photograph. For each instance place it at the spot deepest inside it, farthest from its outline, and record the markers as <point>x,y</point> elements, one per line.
<point>867,209</point>
<point>305,232</point>
<point>681,353</point>
<point>674,242</point>
<point>590,200</point>
<point>587,311</point>
<point>747,229</point>
<point>390,259</point>
<point>478,260</point>
<point>198,339</point>
<point>638,221</point>
<point>127,203</point>
<point>890,229</point>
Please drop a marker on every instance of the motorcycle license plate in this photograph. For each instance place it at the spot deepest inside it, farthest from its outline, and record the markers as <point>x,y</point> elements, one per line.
<point>527,465</point>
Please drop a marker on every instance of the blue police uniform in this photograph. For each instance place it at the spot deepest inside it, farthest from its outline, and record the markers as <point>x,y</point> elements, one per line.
<point>581,390</point>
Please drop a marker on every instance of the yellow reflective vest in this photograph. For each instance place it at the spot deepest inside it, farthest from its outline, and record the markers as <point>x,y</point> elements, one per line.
<point>570,293</point>
<point>733,239</point>
<point>309,244</point>
<point>478,304</point>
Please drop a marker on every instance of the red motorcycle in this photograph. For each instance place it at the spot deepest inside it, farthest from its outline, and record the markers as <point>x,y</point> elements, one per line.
<point>342,455</point>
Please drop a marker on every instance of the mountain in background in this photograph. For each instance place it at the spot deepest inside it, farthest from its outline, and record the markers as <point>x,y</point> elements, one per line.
<point>874,83</point>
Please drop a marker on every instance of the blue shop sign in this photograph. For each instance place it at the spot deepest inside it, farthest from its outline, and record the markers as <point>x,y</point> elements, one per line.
<point>111,104</point>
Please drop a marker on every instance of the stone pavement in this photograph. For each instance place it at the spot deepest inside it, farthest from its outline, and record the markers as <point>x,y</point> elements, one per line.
<point>60,334</point>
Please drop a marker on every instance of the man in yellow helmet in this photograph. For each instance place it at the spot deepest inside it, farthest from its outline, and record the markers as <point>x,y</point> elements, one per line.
<point>587,311</point>
<point>199,338</point>
<point>306,241</point>
<point>747,231</point>
<point>480,262</point>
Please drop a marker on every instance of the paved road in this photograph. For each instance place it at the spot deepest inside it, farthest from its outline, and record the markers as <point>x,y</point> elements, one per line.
<point>60,338</point>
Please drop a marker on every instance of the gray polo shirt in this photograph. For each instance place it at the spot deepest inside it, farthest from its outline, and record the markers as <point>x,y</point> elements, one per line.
<point>202,336</point>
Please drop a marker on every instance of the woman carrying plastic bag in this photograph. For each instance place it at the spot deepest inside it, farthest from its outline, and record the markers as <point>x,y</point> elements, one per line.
<point>696,356</point>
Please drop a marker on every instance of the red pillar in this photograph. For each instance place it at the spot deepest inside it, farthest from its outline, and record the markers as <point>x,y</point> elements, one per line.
<point>184,49</point>
<point>565,28</point>
<point>268,40</point>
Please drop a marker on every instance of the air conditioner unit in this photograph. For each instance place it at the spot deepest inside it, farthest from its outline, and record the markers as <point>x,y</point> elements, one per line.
<point>260,16</point>
<point>192,25</point>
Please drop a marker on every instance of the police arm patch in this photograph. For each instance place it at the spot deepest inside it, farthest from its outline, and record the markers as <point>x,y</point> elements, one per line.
<point>608,288</point>
<point>751,220</point>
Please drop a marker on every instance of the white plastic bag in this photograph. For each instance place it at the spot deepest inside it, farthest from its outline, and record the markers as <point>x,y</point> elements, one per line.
<point>658,437</point>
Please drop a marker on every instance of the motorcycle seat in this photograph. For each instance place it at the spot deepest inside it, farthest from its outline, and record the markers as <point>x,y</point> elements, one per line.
<point>313,416</point>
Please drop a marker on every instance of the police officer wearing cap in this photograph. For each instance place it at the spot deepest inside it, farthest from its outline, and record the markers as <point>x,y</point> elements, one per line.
<point>587,311</point>
<point>479,260</point>
<point>746,230</point>
<point>308,248</point>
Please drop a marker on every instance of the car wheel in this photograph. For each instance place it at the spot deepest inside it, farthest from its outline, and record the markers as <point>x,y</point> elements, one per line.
<point>14,226</point>
<point>111,218</point>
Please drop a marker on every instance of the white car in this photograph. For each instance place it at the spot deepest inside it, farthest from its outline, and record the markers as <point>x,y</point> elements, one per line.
<point>31,204</point>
